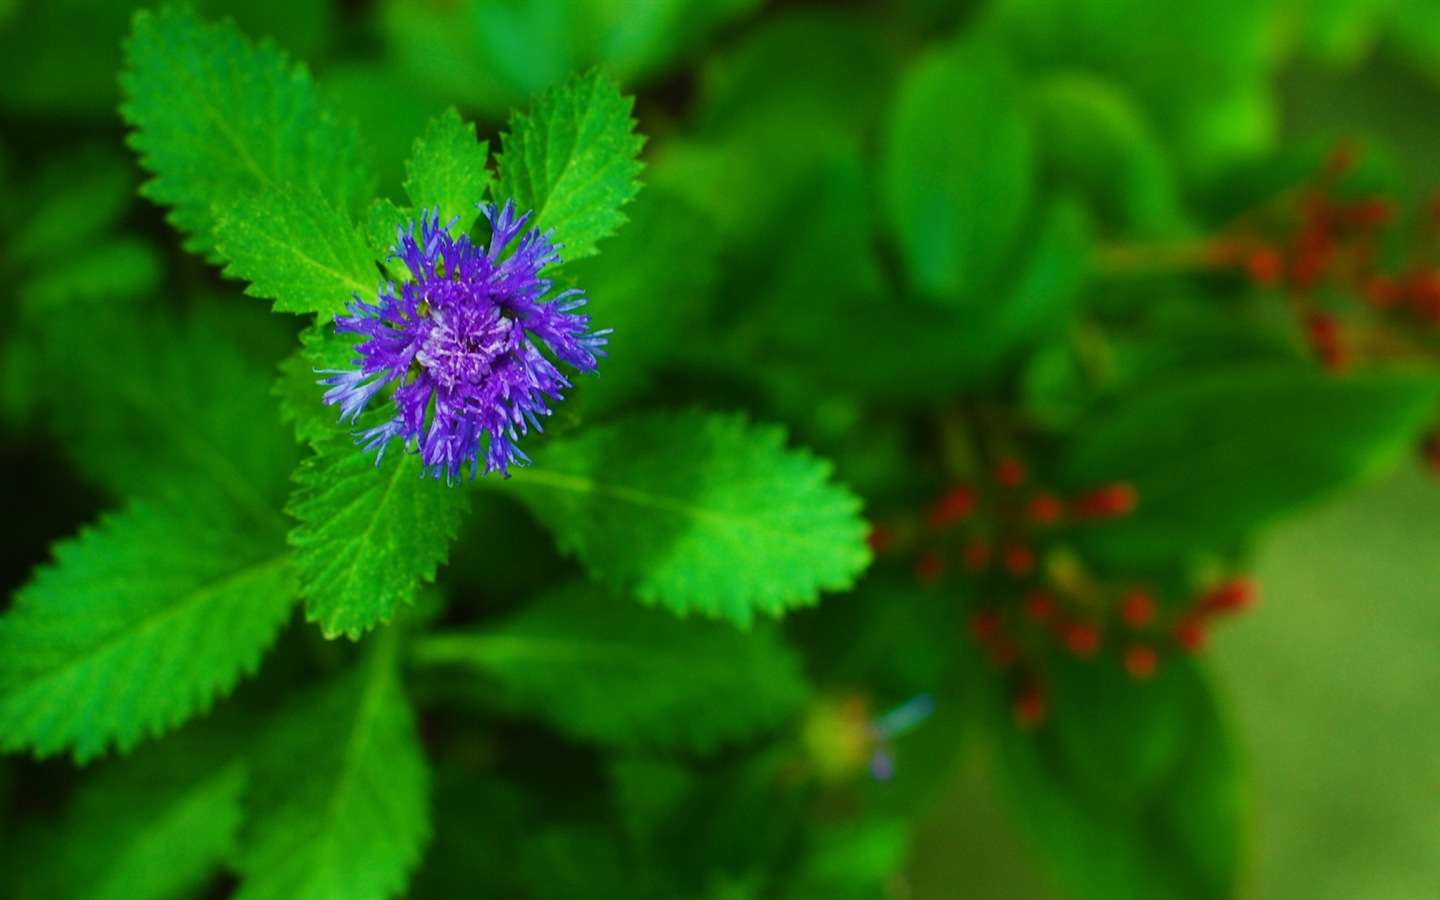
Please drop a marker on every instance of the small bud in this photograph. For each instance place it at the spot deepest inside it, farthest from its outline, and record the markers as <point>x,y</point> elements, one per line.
<point>1019,560</point>
<point>1045,509</point>
<point>1231,596</point>
<point>929,568</point>
<point>1029,708</point>
<point>1010,472</point>
<point>1264,266</point>
<point>1141,662</point>
<point>1082,639</point>
<point>977,556</point>
<point>1137,609</point>
<point>1106,502</point>
<point>1192,635</point>
<point>958,503</point>
<point>1040,606</point>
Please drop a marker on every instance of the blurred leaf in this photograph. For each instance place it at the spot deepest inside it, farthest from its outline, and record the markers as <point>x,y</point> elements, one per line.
<point>572,159</point>
<point>1094,139</point>
<point>367,536</point>
<point>1341,32</point>
<point>119,268</point>
<point>446,170</point>
<point>72,202</point>
<point>88,653</point>
<point>1215,457</point>
<point>216,118</point>
<point>652,285</point>
<point>957,201</point>
<point>340,802</point>
<point>297,249</point>
<point>493,56</point>
<point>156,828</point>
<point>851,861</point>
<point>1129,788</point>
<point>698,512</point>
<point>608,670</point>
<point>78,82</point>
<point>389,111</point>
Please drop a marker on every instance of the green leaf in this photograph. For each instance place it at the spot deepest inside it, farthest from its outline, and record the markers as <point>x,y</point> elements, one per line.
<point>1129,788</point>
<point>136,394</point>
<point>297,249</point>
<point>154,827</point>
<point>607,670</point>
<point>447,170</point>
<point>572,159</point>
<point>368,536</point>
<point>1217,456</point>
<point>340,804</point>
<point>699,512</point>
<point>217,118</point>
<point>957,174</point>
<point>91,653</point>
<point>122,268</point>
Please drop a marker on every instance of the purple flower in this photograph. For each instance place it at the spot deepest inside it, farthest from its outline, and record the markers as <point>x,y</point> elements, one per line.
<point>462,342</point>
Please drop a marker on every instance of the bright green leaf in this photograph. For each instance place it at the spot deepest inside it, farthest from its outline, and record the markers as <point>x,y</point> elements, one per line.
<point>368,536</point>
<point>217,117</point>
<point>572,159</point>
<point>447,170</point>
<point>340,804</point>
<point>605,669</point>
<point>699,512</point>
<point>139,624</point>
<point>297,249</point>
<point>957,173</point>
<point>1216,456</point>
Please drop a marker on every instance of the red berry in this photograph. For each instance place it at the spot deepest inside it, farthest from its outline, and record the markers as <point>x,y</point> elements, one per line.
<point>1141,662</point>
<point>1040,606</point>
<point>1230,596</point>
<point>1019,560</point>
<point>1045,509</point>
<point>1114,500</point>
<point>1137,609</point>
<point>1010,472</point>
<point>1264,266</point>
<point>1372,213</point>
<point>958,503</point>
<point>1192,635</point>
<point>1029,708</point>
<point>1082,639</point>
<point>1323,330</point>
<point>1382,291</point>
<point>929,568</point>
<point>880,538</point>
<point>977,556</point>
<point>985,625</point>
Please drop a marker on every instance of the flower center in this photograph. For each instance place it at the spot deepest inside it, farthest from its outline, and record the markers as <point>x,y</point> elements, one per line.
<point>461,347</point>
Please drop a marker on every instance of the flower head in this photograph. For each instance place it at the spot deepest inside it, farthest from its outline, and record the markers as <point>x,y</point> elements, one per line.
<point>462,342</point>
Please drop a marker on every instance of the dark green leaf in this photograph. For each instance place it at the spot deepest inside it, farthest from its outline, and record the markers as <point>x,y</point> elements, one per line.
<point>605,669</point>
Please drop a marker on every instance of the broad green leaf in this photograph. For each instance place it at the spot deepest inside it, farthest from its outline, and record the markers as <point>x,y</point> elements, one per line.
<point>139,624</point>
<point>572,159</point>
<point>1129,788</point>
<point>155,827</point>
<point>340,805</point>
<point>301,394</point>
<point>447,170</point>
<point>138,397</point>
<point>698,512</point>
<point>368,536</point>
<point>297,249</point>
<point>217,117</point>
<point>606,669</point>
<point>957,174</point>
<point>1219,455</point>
